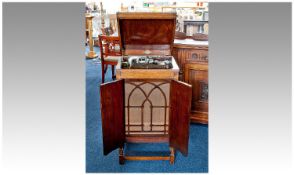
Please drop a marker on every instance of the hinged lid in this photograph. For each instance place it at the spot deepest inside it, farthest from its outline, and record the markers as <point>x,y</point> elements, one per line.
<point>145,33</point>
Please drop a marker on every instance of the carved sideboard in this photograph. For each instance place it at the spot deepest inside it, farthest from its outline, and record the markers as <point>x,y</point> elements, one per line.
<point>192,58</point>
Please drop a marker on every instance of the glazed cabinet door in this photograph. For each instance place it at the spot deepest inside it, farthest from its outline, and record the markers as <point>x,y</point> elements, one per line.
<point>197,76</point>
<point>179,120</point>
<point>112,113</point>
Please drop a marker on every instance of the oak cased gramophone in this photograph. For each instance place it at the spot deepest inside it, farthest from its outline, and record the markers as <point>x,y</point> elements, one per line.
<point>146,104</point>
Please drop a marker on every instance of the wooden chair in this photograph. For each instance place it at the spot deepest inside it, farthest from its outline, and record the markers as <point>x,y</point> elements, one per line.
<point>110,51</point>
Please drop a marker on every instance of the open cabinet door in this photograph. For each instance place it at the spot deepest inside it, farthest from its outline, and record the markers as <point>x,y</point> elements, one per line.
<point>179,120</point>
<point>112,113</point>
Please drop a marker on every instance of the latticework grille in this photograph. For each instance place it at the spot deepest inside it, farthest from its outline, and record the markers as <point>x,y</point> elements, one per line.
<point>146,107</point>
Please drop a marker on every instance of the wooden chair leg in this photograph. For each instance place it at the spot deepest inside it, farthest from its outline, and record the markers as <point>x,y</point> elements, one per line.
<point>103,73</point>
<point>112,70</point>
<point>121,156</point>
<point>172,156</point>
<point>105,68</point>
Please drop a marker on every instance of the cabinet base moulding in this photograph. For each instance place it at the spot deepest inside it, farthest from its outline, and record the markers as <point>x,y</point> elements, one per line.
<point>170,158</point>
<point>201,118</point>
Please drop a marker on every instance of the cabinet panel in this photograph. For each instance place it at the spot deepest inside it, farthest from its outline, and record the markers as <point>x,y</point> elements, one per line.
<point>197,56</point>
<point>197,76</point>
<point>112,113</point>
<point>189,55</point>
<point>180,98</point>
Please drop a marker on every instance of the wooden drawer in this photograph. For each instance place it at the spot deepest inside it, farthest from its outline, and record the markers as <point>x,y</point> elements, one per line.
<point>197,56</point>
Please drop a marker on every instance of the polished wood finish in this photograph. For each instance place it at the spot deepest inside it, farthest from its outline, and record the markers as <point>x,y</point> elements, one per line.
<point>123,157</point>
<point>108,45</point>
<point>113,119</point>
<point>189,54</point>
<point>179,121</point>
<point>147,157</point>
<point>146,33</point>
<point>200,37</point>
<point>112,113</point>
<point>145,139</point>
<point>145,15</point>
<point>197,76</point>
<point>147,50</point>
<point>193,64</point>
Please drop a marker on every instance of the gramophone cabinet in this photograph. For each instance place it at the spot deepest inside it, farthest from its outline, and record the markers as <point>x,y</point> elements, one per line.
<point>147,103</point>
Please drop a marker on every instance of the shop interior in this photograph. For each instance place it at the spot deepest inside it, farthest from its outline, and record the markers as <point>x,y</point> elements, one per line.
<point>109,45</point>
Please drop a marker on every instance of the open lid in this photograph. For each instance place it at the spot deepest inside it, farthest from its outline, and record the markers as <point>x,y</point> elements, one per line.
<point>146,33</point>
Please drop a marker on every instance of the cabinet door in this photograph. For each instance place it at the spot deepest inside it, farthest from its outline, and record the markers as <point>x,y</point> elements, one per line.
<point>112,113</point>
<point>179,120</point>
<point>197,76</point>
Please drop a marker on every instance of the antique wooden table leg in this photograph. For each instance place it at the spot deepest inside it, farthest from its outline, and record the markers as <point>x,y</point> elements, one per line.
<point>91,53</point>
<point>172,155</point>
<point>121,156</point>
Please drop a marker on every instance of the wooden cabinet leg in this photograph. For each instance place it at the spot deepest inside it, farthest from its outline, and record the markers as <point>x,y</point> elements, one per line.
<point>121,156</point>
<point>172,156</point>
<point>112,71</point>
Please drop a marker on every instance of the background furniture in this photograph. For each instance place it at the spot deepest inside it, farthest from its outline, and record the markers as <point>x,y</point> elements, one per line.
<point>110,51</point>
<point>91,53</point>
<point>192,58</point>
<point>196,26</point>
<point>87,32</point>
<point>190,19</point>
